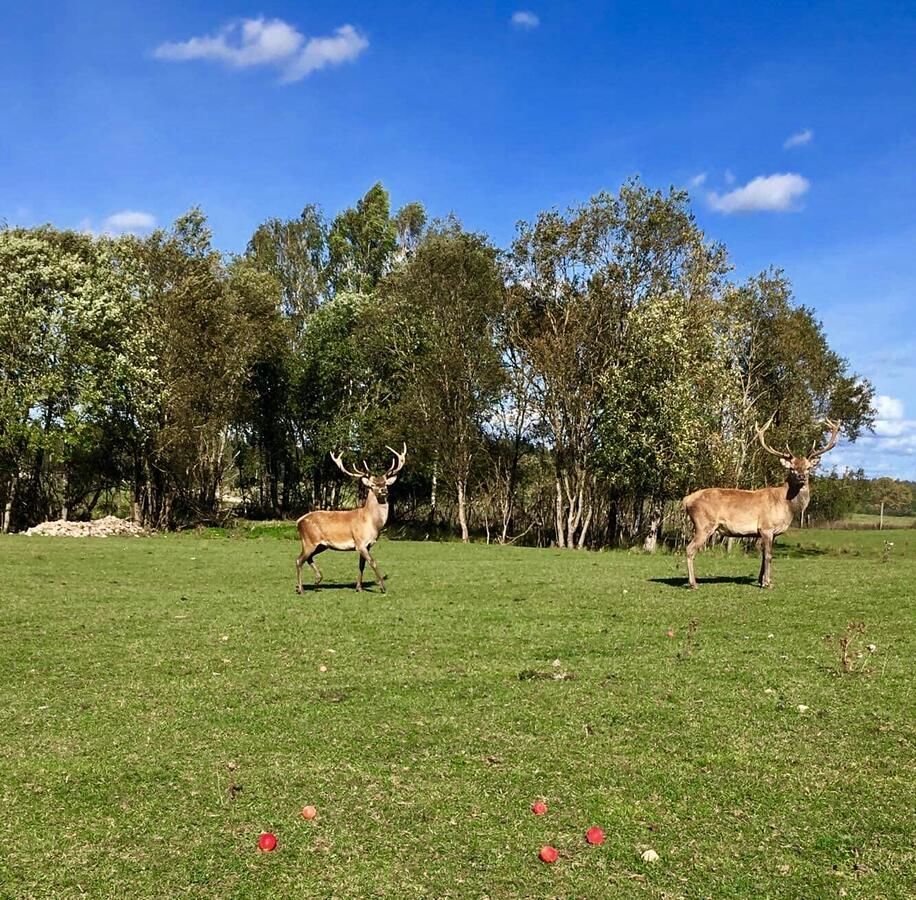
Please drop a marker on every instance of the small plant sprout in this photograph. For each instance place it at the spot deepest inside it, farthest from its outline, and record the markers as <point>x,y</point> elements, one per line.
<point>851,649</point>
<point>886,553</point>
<point>689,644</point>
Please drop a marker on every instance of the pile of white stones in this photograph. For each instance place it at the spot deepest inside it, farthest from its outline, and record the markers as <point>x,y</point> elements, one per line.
<point>108,526</point>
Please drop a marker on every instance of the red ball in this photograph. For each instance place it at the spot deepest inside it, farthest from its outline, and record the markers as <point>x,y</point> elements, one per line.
<point>539,807</point>
<point>267,841</point>
<point>548,854</point>
<point>309,812</point>
<point>594,835</point>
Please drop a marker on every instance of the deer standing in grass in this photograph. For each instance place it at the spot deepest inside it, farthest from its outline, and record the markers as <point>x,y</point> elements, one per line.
<point>764,513</point>
<point>349,529</point>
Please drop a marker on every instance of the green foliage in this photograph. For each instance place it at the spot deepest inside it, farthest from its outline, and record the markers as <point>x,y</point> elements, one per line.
<point>362,242</point>
<point>566,390</point>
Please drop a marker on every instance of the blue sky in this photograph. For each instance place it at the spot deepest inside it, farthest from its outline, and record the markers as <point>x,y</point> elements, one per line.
<point>793,125</point>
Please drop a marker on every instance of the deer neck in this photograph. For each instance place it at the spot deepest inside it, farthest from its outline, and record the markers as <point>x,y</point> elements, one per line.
<point>376,511</point>
<point>797,496</point>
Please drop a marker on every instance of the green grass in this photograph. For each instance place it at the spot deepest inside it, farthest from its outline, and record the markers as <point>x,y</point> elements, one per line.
<point>162,703</point>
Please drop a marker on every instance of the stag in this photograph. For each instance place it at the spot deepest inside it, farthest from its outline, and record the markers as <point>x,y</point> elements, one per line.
<point>764,513</point>
<point>349,529</point>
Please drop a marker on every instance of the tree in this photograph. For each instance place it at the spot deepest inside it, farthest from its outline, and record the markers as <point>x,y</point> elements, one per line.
<point>891,495</point>
<point>295,252</point>
<point>576,280</point>
<point>441,309</point>
<point>362,242</point>
<point>658,430</point>
<point>783,367</point>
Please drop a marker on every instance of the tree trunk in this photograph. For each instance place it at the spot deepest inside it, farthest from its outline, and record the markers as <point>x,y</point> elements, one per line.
<point>585,525</point>
<point>561,533</point>
<point>655,522</point>
<point>881,518</point>
<point>432,491</point>
<point>462,512</point>
<point>65,506</point>
<point>8,511</point>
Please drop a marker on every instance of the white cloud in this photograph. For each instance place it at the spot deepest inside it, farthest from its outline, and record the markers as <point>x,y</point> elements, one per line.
<point>259,41</point>
<point>346,44</point>
<point>698,180</point>
<point>891,450</point>
<point>129,221</point>
<point>771,193</point>
<point>799,139</point>
<point>269,42</point>
<point>890,421</point>
<point>524,18</point>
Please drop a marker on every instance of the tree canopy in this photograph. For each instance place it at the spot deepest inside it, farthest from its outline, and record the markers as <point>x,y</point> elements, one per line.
<point>565,390</point>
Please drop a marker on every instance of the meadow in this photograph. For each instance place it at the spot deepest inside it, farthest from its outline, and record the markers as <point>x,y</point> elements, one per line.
<point>164,700</point>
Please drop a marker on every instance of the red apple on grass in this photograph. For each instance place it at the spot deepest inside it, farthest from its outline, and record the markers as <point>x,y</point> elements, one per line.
<point>267,842</point>
<point>548,854</point>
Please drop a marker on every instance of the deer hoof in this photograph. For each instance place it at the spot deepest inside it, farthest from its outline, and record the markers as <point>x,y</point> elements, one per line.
<point>298,588</point>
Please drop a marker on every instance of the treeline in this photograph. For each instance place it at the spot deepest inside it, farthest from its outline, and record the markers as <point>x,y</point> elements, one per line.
<point>564,390</point>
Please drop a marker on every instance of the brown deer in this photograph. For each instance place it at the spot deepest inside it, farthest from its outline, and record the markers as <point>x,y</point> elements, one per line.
<point>349,529</point>
<point>764,513</point>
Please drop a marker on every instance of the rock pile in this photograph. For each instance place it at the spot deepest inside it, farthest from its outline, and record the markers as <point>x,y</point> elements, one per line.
<point>108,526</point>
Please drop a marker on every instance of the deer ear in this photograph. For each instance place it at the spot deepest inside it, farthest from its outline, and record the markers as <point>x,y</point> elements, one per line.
<point>365,482</point>
<point>391,479</point>
<point>786,464</point>
<point>814,463</point>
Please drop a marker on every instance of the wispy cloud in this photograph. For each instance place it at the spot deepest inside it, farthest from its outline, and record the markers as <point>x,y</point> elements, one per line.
<point>524,18</point>
<point>345,45</point>
<point>799,139</point>
<point>891,450</point>
<point>698,180</point>
<point>766,193</point>
<point>269,42</point>
<point>127,221</point>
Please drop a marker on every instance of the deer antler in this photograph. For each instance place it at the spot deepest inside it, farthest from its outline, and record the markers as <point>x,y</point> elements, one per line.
<point>831,443</point>
<point>338,459</point>
<point>399,459</point>
<point>787,454</point>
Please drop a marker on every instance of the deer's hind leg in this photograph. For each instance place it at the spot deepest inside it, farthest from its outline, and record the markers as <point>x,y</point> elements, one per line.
<point>310,549</point>
<point>701,534</point>
<point>766,557</point>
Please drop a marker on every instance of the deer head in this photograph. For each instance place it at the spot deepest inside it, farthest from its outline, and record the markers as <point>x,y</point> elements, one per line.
<point>800,467</point>
<point>378,484</point>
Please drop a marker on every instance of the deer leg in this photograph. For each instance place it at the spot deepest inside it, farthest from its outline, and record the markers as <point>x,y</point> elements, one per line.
<point>366,557</point>
<point>766,556</point>
<point>300,559</point>
<point>362,567</point>
<point>314,565</point>
<point>700,537</point>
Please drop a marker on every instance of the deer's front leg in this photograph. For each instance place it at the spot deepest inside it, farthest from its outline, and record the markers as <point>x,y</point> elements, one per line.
<point>766,557</point>
<point>366,557</point>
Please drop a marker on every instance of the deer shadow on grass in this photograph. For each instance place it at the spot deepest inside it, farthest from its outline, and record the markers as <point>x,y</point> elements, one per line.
<point>681,581</point>
<point>369,587</point>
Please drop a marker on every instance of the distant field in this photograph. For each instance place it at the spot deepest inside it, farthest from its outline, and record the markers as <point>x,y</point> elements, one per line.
<point>162,702</point>
<point>872,521</point>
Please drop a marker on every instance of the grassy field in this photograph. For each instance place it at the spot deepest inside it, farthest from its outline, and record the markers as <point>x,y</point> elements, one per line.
<point>164,700</point>
<point>870,520</point>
